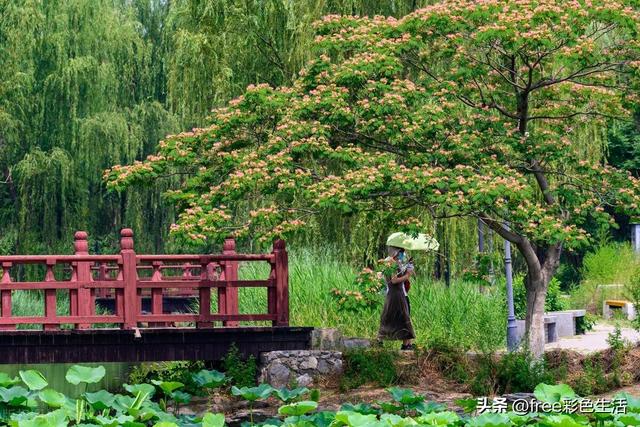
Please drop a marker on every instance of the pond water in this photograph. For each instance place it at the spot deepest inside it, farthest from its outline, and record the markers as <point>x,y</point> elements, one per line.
<point>116,375</point>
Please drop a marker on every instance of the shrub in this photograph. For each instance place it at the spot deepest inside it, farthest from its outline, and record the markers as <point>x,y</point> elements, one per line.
<point>592,380</point>
<point>609,264</point>
<point>619,349</point>
<point>450,359</point>
<point>513,372</point>
<point>632,293</point>
<point>363,366</point>
<point>243,372</point>
<point>519,371</point>
<point>166,371</point>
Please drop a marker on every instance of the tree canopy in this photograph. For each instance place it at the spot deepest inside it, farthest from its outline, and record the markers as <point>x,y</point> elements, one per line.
<point>463,108</point>
<point>86,84</point>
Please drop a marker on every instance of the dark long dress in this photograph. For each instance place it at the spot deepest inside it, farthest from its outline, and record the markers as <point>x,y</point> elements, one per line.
<point>395,322</point>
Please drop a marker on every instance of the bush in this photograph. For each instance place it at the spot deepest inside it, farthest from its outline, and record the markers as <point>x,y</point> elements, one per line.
<point>592,380</point>
<point>554,301</point>
<point>514,372</point>
<point>243,372</point>
<point>363,366</point>
<point>632,293</point>
<point>451,360</point>
<point>166,371</point>
<point>609,264</point>
<point>521,372</point>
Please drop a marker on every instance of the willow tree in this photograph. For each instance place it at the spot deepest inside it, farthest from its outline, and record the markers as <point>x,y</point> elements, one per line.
<point>217,47</point>
<point>78,91</point>
<point>463,108</point>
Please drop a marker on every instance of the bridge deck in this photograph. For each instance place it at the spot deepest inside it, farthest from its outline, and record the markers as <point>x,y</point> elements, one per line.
<point>152,344</point>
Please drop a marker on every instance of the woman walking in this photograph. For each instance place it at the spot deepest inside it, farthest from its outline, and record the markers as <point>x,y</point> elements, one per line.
<point>395,322</point>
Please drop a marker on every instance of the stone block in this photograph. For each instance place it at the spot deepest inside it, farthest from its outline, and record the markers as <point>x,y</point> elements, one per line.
<point>352,343</point>
<point>326,339</point>
<point>281,368</point>
<point>304,380</point>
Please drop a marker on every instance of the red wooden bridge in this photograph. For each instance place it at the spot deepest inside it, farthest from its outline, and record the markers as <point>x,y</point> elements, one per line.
<point>140,289</point>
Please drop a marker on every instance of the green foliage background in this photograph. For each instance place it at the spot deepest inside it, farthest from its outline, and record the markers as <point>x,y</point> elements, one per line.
<point>88,84</point>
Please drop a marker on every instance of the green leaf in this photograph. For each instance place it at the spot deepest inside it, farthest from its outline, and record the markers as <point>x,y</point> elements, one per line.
<point>168,386</point>
<point>57,418</point>
<point>298,408</point>
<point>134,389</point>
<point>100,399</point>
<point>361,408</point>
<point>14,396</point>
<point>439,418</point>
<point>213,420</point>
<point>404,396</point>
<point>286,395</point>
<point>52,398</point>
<point>355,419</point>
<point>181,397</point>
<point>6,380</point>
<point>560,421</point>
<point>394,420</point>
<point>84,374</point>
<point>165,424</point>
<point>429,407</point>
<point>468,405</point>
<point>488,419</point>
<point>553,393</point>
<point>262,391</point>
<point>113,421</point>
<point>33,379</point>
<point>209,379</point>
<point>390,407</point>
<point>631,419</point>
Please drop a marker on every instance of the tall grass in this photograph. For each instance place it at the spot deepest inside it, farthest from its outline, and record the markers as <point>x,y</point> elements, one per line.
<point>458,314</point>
<point>605,273</point>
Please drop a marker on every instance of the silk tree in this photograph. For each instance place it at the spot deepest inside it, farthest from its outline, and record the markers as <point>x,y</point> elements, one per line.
<point>462,109</point>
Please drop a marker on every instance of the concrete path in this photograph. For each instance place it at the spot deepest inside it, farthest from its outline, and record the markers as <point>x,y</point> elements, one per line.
<point>594,340</point>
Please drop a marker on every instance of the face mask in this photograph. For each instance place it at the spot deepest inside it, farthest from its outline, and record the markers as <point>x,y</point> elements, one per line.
<point>401,256</point>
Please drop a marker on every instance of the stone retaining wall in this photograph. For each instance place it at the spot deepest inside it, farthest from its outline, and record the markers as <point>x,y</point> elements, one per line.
<point>298,367</point>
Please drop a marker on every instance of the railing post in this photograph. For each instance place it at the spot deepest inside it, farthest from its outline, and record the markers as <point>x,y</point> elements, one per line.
<point>50,298</point>
<point>230,273</point>
<point>82,301</point>
<point>5,295</point>
<point>204,295</point>
<point>156,293</point>
<point>282,282</point>
<point>130,278</point>
<point>272,296</point>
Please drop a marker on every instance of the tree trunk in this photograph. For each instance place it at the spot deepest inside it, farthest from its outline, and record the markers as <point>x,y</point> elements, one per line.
<point>535,329</point>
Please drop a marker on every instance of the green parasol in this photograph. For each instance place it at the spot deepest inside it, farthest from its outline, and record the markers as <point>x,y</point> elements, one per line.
<point>421,242</point>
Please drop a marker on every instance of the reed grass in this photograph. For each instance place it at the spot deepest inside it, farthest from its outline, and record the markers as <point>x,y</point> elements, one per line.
<point>460,314</point>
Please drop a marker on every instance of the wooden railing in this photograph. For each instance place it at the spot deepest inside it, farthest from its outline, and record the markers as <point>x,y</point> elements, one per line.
<point>127,277</point>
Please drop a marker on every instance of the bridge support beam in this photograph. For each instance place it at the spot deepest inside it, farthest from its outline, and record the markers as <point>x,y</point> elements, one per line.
<point>158,344</point>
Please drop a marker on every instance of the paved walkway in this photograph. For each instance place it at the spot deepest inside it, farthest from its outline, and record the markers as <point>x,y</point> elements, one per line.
<point>594,340</point>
